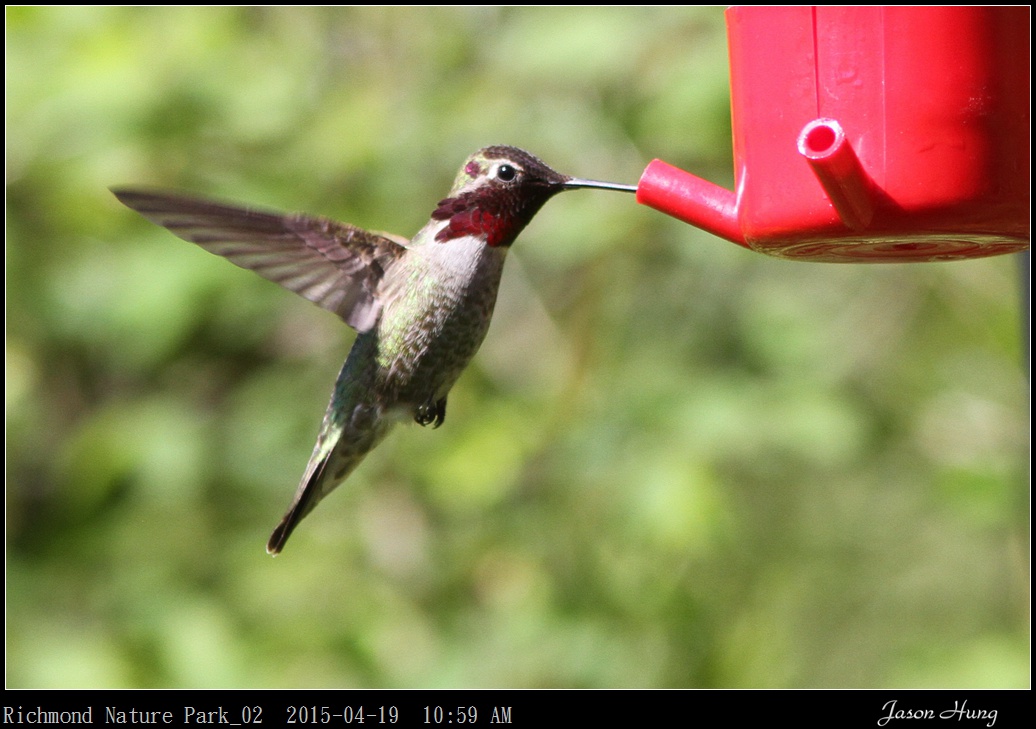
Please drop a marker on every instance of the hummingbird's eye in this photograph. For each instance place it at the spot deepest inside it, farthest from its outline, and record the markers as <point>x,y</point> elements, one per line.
<point>506,173</point>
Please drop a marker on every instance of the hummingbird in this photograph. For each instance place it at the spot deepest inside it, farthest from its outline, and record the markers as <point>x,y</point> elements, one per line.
<point>421,307</point>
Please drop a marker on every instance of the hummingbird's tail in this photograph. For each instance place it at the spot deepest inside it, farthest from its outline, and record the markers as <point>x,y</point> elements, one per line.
<point>335,456</point>
<point>305,499</point>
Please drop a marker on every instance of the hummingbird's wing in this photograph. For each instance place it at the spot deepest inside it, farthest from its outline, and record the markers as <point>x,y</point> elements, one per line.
<point>334,265</point>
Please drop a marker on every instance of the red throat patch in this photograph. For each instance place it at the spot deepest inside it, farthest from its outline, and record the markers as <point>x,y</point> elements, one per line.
<point>474,222</point>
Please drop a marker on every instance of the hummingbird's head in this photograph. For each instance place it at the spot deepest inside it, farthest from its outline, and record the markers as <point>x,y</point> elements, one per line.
<point>498,191</point>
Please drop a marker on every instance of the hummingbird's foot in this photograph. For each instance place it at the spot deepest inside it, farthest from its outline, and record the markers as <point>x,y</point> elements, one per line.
<point>431,412</point>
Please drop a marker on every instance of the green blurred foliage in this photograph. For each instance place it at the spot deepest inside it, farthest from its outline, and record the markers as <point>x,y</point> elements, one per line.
<point>674,463</point>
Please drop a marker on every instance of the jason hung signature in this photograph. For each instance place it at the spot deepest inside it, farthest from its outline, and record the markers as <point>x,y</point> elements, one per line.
<point>958,712</point>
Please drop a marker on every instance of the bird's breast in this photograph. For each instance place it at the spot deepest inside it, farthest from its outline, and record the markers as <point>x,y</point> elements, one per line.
<point>436,317</point>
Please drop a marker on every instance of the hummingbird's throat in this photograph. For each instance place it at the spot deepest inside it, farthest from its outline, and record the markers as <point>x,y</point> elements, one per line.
<point>472,221</point>
<point>478,223</point>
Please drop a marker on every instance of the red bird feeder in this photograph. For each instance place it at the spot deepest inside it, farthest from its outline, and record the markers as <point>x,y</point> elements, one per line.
<point>883,134</point>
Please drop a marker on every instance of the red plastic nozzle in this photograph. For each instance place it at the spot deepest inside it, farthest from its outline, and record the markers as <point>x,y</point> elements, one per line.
<point>824,145</point>
<point>691,199</point>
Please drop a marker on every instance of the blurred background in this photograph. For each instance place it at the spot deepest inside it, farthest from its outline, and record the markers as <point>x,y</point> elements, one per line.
<point>674,462</point>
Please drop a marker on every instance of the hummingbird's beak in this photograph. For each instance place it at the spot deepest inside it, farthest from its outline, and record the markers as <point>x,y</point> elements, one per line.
<point>573,183</point>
